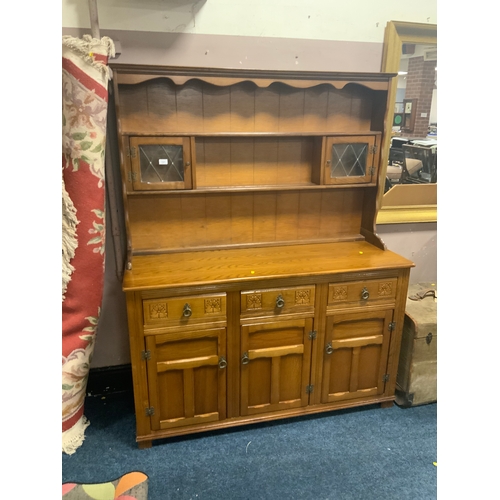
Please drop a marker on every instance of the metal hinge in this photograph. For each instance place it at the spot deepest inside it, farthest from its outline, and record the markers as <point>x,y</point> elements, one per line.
<point>146,355</point>
<point>371,170</point>
<point>392,326</point>
<point>309,389</point>
<point>150,411</point>
<point>132,176</point>
<point>385,378</point>
<point>373,149</point>
<point>132,152</point>
<point>313,334</point>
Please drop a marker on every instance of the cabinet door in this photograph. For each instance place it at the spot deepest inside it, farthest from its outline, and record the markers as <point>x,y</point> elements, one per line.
<point>351,160</point>
<point>275,365</point>
<point>161,163</point>
<point>355,355</point>
<point>187,378</point>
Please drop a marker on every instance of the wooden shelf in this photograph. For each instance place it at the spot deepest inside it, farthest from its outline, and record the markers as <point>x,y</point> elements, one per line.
<point>253,264</point>
<point>132,133</point>
<point>347,238</point>
<point>246,189</point>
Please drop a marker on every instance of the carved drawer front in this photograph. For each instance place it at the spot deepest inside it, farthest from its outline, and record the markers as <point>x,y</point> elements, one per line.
<point>277,301</point>
<point>183,310</point>
<point>362,293</point>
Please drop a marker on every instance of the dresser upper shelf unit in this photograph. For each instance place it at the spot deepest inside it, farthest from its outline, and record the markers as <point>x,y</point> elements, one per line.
<point>219,157</point>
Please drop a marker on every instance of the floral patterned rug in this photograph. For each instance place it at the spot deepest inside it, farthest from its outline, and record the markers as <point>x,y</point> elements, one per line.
<point>131,486</point>
<point>85,76</point>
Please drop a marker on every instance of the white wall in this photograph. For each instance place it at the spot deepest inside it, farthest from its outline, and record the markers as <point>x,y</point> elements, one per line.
<point>355,20</point>
<point>418,243</point>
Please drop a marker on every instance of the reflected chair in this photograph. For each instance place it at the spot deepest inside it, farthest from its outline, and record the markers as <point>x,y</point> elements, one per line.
<point>419,166</point>
<point>393,176</point>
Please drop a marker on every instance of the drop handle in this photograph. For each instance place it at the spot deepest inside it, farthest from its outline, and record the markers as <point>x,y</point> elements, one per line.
<point>222,362</point>
<point>365,294</point>
<point>329,348</point>
<point>186,312</point>
<point>280,301</point>
<point>245,359</point>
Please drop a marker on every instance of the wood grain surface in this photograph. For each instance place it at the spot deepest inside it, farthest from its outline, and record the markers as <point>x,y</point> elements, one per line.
<point>254,264</point>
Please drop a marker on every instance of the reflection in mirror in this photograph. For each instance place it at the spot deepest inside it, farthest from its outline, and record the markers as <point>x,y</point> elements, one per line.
<point>413,150</point>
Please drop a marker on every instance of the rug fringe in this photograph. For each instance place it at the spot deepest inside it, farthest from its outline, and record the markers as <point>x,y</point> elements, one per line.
<point>69,239</point>
<point>73,438</point>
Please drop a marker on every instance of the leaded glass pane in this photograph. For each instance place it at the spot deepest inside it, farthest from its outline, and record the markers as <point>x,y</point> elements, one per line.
<point>349,160</point>
<point>161,163</point>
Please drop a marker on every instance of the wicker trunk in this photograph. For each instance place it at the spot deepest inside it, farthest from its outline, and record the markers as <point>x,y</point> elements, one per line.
<point>417,373</point>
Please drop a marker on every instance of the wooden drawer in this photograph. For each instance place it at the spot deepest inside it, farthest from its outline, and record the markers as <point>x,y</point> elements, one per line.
<point>277,301</point>
<point>181,311</point>
<point>362,293</point>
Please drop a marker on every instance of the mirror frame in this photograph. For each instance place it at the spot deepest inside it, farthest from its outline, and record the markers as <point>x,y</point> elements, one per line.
<point>396,33</point>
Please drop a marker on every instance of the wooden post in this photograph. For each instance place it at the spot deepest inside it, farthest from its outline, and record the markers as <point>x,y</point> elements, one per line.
<point>94,20</point>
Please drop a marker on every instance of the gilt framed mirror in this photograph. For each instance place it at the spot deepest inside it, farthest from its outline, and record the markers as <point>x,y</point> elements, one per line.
<point>405,197</point>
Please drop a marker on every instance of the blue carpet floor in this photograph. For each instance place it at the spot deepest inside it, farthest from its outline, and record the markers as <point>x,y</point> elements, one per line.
<point>364,453</point>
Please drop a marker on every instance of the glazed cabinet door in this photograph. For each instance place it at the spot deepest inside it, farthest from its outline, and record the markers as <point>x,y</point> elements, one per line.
<point>187,377</point>
<point>275,366</point>
<point>355,355</point>
<point>351,159</point>
<point>161,163</point>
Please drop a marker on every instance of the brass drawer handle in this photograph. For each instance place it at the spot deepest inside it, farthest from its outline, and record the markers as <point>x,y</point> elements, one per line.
<point>245,359</point>
<point>365,294</point>
<point>222,362</point>
<point>329,348</point>
<point>186,312</point>
<point>280,301</point>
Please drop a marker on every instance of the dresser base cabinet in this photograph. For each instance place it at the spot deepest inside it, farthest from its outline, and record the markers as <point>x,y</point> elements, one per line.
<point>219,350</point>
